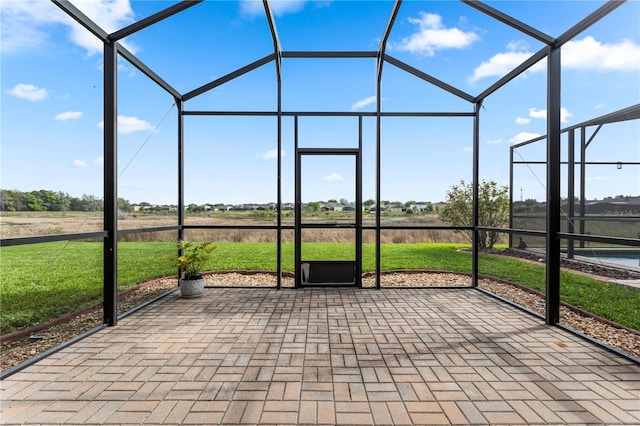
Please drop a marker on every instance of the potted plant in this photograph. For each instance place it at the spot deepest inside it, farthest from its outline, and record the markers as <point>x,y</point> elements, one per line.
<point>191,261</point>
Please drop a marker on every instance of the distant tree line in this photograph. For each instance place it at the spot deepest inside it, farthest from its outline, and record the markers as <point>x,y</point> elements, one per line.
<point>50,201</point>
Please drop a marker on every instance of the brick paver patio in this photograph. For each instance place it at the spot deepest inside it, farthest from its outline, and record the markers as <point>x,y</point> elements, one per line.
<point>327,356</point>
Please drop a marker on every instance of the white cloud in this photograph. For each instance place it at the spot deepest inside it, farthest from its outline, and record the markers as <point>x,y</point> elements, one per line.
<point>468,149</point>
<point>128,125</point>
<point>494,141</point>
<point>599,105</point>
<point>69,115</point>
<point>363,103</point>
<point>99,161</point>
<point>333,177</point>
<point>501,63</point>
<point>279,7</point>
<point>524,136</point>
<point>24,23</point>
<point>537,113</point>
<point>590,54</point>
<point>585,54</point>
<point>522,120</point>
<point>564,115</point>
<point>21,23</point>
<point>28,92</point>
<point>542,113</point>
<point>432,35</point>
<point>272,154</point>
<point>79,163</point>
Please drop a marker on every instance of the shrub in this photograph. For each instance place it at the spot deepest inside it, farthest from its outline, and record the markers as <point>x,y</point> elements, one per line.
<point>493,210</point>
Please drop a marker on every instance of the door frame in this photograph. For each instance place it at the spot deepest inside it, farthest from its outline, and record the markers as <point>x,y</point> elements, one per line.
<point>357,226</point>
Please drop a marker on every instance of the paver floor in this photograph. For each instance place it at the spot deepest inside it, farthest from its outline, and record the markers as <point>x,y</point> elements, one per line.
<point>327,356</point>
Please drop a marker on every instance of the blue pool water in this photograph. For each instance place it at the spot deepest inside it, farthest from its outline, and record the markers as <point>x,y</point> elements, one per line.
<point>624,259</point>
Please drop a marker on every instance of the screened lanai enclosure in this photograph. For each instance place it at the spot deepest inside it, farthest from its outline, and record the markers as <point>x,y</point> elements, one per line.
<point>317,141</point>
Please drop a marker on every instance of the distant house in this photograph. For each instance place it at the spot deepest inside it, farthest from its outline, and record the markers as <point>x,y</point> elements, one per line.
<point>332,207</point>
<point>351,207</point>
<point>419,206</point>
<point>614,208</point>
<point>397,208</point>
<point>629,206</point>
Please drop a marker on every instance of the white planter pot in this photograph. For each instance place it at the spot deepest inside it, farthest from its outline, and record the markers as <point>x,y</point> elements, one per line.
<point>192,288</point>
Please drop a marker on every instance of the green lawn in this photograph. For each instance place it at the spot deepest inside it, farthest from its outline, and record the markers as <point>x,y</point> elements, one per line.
<point>43,281</point>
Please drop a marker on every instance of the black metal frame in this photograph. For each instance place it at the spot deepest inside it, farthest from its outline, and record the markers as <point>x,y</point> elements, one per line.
<point>356,226</point>
<point>571,217</point>
<point>112,49</point>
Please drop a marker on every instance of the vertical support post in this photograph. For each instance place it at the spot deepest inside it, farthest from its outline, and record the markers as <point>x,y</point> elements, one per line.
<point>180,107</point>
<point>298,208</point>
<point>279,191</point>
<point>110,284</point>
<point>378,166</point>
<point>553,186</point>
<point>476,192</point>
<point>510,196</point>
<point>358,228</point>
<point>583,176</point>
<point>571,164</point>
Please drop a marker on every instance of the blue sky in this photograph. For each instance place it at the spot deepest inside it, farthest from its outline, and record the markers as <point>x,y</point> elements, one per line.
<point>51,98</point>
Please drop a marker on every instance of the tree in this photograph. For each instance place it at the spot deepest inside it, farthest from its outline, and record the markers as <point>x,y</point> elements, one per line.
<point>91,203</point>
<point>75,204</point>
<point>313,207</point>
<point>344,201</point>
<point>6,200</point>
<point>368,203</point>
<point>493,210</point>
<point>34,203</point>
<point>124,205</point>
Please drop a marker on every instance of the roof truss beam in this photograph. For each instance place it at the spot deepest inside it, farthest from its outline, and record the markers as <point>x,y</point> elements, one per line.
<point>97,31</point>
<point>537,57</point>
<point>328,54</point>
<point>385,37</point>
<point>277,49</point>
<point>511,21</point>
<point>82,19</point>
<point>426,77</point>
<point>232,75</point>
<point>594,17</point>
<point>133,59</point>
<point>156,17</point>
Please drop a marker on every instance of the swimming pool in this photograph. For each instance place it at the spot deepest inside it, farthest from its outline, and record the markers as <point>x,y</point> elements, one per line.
<point>624,259</point>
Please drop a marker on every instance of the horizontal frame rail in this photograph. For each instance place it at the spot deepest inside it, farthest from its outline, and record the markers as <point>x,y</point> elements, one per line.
<point>635,242</point>
<point>592,163</point>
<point>532,232</point>
<point>7,242</point>
<point>329,114</point>
<point>328,226</point>
<point>143,230</point>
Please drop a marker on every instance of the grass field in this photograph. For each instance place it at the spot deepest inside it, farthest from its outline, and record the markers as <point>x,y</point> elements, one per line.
<point>43,281</point>
<point>28,224</point>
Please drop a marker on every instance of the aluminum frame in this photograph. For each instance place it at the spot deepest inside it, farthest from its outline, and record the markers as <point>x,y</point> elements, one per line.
<point>112,49</point>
